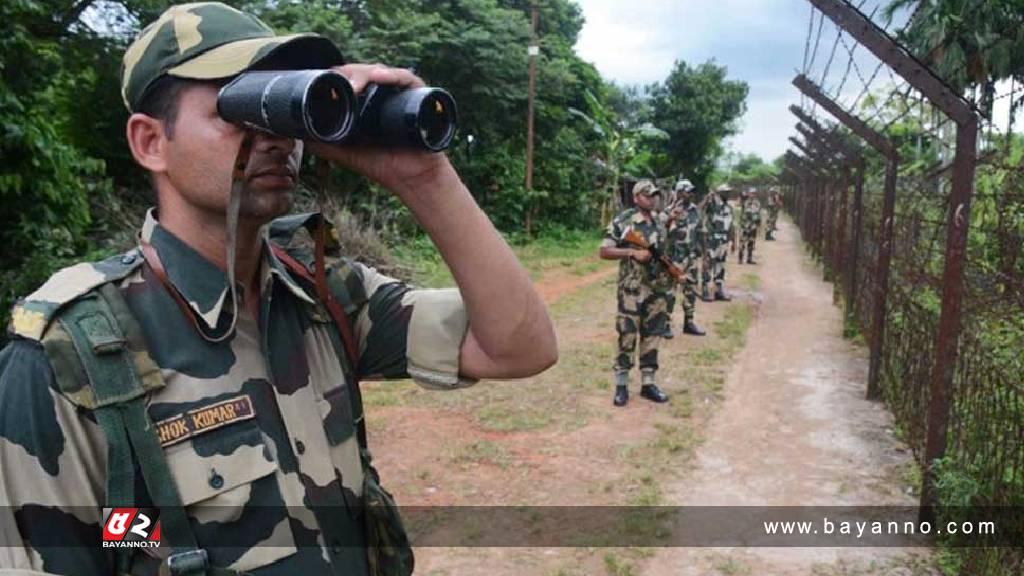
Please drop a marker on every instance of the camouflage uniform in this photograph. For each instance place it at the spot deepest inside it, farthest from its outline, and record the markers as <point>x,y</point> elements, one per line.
<point>642,292</point>
<point>718,221</point>
<point>774,205</point>
<point>271,483</point>
<point>686,238</point>
<point>750,220</point>
<point>258,431</point>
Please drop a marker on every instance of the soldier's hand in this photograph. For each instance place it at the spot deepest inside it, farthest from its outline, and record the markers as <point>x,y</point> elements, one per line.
<point>641,255</point>
<point>400,170</point>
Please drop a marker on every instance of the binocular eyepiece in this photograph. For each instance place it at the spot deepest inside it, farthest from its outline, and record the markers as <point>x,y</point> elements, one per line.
<point>321,105</point>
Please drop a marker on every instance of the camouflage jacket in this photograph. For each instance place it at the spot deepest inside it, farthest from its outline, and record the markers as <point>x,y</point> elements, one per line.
<point>651,228</point>
<point>750,214</point>
<point>686,234</point>
<point>718,219</point>
<point>258,430</point>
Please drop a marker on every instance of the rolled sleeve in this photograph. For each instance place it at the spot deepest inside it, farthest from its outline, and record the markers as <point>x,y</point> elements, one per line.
<point>410,333</point>
<point>612,235</point>
<point>437,329</point>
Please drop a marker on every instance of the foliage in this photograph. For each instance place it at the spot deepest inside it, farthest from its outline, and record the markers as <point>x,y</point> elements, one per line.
<point>46,182</point>
<point>741,170</point>
<point>698,107</point>
<point>70,187</point>
<point>969,43</point>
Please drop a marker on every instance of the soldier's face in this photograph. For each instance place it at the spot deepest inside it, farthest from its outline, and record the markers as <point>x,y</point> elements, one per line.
<point>201,155</point>
<point>645,202</point>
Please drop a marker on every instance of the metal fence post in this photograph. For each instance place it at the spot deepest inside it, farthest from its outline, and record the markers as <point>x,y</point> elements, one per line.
<point>882,278</point>
<point>957,222</point>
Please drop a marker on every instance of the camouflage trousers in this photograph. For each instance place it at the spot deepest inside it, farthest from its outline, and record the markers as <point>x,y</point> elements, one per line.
<point>714,265</point>
<point>749,237</point>
<point>642,319</point>
<point>689,289</point>
<point>773,221</point>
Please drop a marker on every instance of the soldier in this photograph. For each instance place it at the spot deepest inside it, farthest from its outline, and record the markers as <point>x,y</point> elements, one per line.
<point>643,287</point>
<point>718,222</point>
<point>774,206</point>
<point>750,220</point>
<point>685,241</point>
<point>154,379</point>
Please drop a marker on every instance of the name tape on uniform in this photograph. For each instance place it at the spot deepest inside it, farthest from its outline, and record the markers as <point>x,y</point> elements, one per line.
<point>203,419</point>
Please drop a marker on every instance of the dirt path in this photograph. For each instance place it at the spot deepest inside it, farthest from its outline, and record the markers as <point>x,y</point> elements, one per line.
<point>778,420</point>
<point>560,283</point>
<point>795,430</point>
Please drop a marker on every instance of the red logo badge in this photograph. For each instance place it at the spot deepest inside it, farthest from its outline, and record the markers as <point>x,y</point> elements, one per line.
<point>131,528</point>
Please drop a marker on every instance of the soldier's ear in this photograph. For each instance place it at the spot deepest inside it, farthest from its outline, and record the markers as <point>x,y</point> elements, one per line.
<point>148,142</point>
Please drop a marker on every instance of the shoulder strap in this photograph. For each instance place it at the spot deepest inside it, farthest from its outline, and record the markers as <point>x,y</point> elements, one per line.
<point>32,315</point>
<point>344,327</point>
<point>105,335</point>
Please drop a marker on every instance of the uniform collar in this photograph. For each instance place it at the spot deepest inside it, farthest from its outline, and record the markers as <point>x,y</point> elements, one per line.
<point>201,283</point>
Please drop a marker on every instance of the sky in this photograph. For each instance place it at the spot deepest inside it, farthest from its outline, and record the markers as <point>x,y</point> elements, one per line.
<point>759,41</point>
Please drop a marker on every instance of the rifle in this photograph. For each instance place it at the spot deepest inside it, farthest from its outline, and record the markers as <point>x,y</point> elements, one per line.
<point>634,238</point>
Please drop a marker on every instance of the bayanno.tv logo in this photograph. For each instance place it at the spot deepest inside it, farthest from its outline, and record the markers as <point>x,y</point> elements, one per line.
<point>131,528</point>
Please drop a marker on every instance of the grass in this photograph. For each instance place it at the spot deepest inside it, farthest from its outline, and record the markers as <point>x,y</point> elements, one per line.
<point>480,452</point>
<point>614,566</point>
<point>729,566</point>
<point>575,252</point>
<point>526,416</point>
<point>677,437</point>
<point>750,282</point>
<point>551,401</point>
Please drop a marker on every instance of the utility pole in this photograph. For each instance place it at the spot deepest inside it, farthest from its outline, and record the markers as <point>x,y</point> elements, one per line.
<point>533,51</point>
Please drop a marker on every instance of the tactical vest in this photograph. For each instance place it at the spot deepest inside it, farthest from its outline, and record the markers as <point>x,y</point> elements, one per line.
<point>112,375</point>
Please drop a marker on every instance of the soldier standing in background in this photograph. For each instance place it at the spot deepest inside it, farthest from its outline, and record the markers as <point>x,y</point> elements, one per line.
<point>685,239</point>
<point>750,220</point>
<point>718,221</point>
<point>643,286</point>
<point>774,206</point>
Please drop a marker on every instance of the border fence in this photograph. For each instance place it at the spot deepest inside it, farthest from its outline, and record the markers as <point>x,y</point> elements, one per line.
<point>913,199</point>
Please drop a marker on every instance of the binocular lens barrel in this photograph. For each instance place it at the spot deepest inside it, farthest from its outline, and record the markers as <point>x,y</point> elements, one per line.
<point>303,104</point>
<point>420,117</point>
<point>321,105</point>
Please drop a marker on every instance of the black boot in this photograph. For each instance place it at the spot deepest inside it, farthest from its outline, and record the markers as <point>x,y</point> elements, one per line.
<point>721,295</point>
<point>621,396</point>
<point>705,295</point>
<point>750,256</point>
<point>690,328</point>
<point>652,393</point>
<point>667,334</point>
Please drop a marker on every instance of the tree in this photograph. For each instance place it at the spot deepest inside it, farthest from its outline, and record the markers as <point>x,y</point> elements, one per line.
<point>970,43</point>
<point>698,107</point>
<point>750,170</point>
<point>622,141</point>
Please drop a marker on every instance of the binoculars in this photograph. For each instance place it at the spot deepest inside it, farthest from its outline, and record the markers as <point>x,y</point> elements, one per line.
<point>321,105</point>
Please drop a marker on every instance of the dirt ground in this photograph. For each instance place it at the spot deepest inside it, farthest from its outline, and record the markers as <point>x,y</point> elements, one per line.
<point>767,409</point>
<point>795,430</point>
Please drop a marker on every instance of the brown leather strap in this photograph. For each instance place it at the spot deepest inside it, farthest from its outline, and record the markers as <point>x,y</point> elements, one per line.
<point>333,307</point>
<point>157,266</point>
<point>344,327</point>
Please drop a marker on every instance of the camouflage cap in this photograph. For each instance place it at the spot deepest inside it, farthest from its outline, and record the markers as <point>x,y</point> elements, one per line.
<point>684,185</point>
<point>646,188</point>
<point>209,41</point>
<point>723,188</point>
